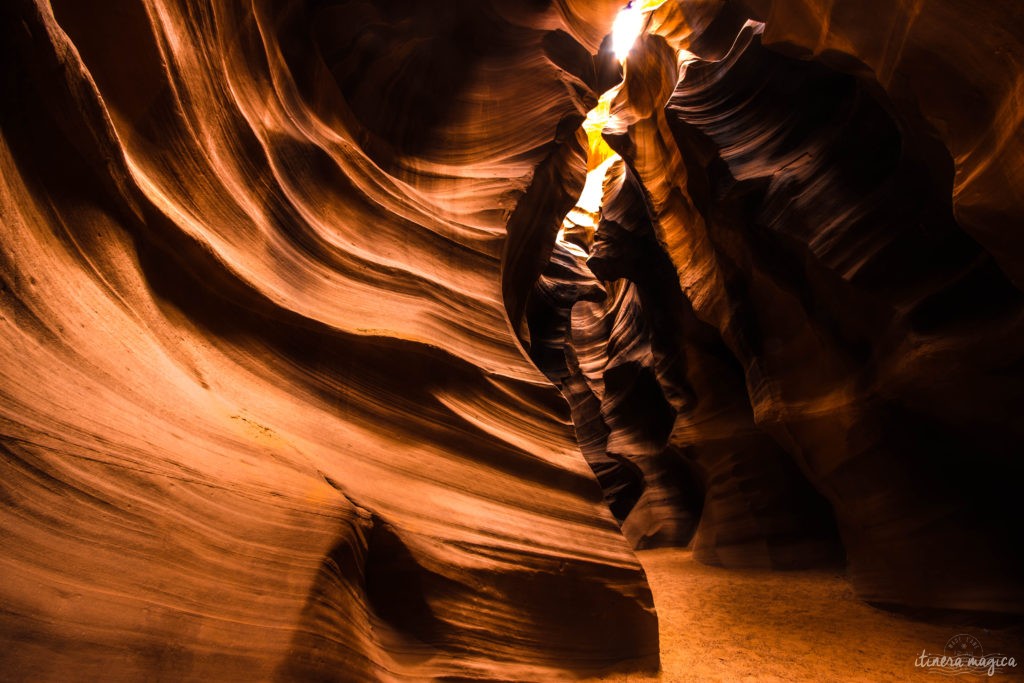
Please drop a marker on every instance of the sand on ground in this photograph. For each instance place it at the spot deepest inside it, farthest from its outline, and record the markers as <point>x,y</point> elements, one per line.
<point>759,625</point>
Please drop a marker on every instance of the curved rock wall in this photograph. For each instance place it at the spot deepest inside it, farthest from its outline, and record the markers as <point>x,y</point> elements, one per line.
<point>951,70</point>
<point>821,233</point>
<point>263,412</point>
<point>281,308</point>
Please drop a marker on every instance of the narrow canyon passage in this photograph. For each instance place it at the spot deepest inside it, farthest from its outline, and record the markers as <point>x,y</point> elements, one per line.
<point>495,340</point>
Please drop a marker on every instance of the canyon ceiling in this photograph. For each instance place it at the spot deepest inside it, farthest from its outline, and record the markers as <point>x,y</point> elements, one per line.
<point>302,375</point>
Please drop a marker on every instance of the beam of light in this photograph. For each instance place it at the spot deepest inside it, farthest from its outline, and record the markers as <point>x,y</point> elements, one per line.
<point>597,149</point>
<point>593,190</point>
<point>580,223</point>
<point>629,24</point>
<point>582,220</point>
<point>626,30</point>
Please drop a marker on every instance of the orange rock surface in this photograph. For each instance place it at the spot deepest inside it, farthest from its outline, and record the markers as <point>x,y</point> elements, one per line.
<point>307,372</point>
<point>263,412</point>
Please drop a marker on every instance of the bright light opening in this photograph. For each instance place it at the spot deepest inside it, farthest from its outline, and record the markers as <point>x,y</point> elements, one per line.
<point>629,24</point>
<point>626,30</point>
<point>581,222</point>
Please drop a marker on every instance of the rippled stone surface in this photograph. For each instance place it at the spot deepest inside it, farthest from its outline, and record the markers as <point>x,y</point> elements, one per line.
<point>263,412</point>
<point>296,382</point>
<point>819,231</point>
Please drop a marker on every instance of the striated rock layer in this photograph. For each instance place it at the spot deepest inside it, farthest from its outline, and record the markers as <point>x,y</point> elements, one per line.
<point>263,414</point>
<point>300,380</point>
<point>847,329</point>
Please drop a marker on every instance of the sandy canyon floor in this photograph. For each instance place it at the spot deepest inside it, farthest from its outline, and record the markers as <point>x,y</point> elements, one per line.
<point>729,625</point>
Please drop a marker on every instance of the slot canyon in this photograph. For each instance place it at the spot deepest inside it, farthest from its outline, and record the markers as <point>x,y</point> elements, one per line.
<point>474,340</point>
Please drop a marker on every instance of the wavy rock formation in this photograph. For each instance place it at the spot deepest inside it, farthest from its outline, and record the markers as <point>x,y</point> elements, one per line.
<point>794,272</point>
<point>810,225</point>
<point>263,413</point>
<point>300,379</point>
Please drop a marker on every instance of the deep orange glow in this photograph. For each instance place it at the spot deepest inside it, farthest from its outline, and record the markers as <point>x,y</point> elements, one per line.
<point>586,214</point>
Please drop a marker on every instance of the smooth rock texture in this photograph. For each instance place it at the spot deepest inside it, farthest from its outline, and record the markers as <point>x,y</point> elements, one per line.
<point>758,625</point>
<point>301,379</point>
<point>810,225</point>
<point>263,412</point>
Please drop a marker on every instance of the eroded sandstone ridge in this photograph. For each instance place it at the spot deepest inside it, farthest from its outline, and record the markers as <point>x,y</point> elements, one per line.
<point>818,298</point>
<point>296,381</point>
<point>262,411</point>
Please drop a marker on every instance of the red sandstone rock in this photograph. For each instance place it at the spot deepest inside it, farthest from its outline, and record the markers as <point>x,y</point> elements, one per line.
<point>283,326</point>
<point>263,413</point>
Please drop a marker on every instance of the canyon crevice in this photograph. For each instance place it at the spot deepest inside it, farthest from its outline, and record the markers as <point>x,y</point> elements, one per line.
<point>311,370</point>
